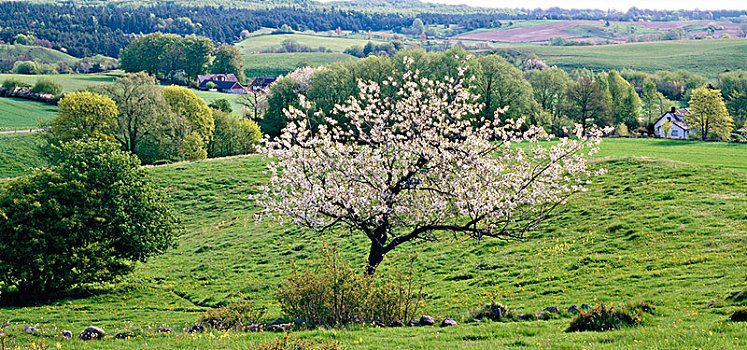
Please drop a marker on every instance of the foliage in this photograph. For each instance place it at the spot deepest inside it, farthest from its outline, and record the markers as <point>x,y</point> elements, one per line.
<point>234,316</point>
<point>733,85</point>
<point>107,206</point>
<point>146,125</point>
<point>289,343</point>
<point>193,147</point>
<point>168,55</point>
<point>390,173</point>
<point>228,60</point>
<point>336,294</point>
<point>233,136</point>
<point>11,83</point>
<point>548,86</point>
<point>499,84</point>
<point>622,130</point>
<point>585,102</point>
<point>47,86</point>
<point>84,114</point>
<point>221,104</point>
<point>708,114</point>
<point>605,317</point>
<point>199,117</point>
<point>493,311</point>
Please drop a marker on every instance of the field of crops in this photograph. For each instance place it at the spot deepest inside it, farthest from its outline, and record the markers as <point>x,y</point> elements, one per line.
<point>677,245</point>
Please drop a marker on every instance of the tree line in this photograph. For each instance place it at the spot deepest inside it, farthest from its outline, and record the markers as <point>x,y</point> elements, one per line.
<point>549,97</point>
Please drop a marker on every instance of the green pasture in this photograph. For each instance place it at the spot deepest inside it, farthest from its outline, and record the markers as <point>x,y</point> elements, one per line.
<point>274,64</point>
<point>70,82</point>
<point>37,53</point>
<point>665,224</point>
<point>707,57</point>
<point>266,42</point>
<point>16,113</point>
<point>19,152</point>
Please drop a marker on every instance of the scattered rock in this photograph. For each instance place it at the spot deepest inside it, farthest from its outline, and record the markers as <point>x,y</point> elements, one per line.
<point>585,306</point>
<point>413,324</point>
<point>278,321</point>
<point>255,327</point>
<point>449,322</point>
<point>539,314</point>
<point>552,309</point>
<point>397,324</point>
<point>379,323</point>
<point>198,328</point>
<point>30,329</point>
<point>711,304</point>
<point>92,333</point>
<point>573,308</point>
<point>427,320</point>
<point>67,334</point>
<point>165,330</point>
<point>274,328</point>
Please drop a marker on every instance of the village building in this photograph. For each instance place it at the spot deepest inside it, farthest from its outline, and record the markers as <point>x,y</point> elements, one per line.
<point>672,125</point>
<point>226,83</point>
<point>261,83</point>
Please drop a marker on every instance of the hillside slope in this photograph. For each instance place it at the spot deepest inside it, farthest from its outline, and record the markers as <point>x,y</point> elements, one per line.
<point>661,231</point>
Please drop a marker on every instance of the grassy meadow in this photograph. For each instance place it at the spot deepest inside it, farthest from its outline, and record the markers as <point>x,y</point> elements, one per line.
<point>261,43</point>
<point>16,113</point>
<point>707,57</point>
<point>665,224</point>
<point>274,64</point>
<point>20,152</point>
<point>70,82</point>
<point>38,53</point>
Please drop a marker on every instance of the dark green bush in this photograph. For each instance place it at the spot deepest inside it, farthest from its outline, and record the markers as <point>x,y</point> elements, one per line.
<point>336,294</point>
<point>235,316</point>
<point>47,86</point>
<point>14,83</point>
<point>605,318</point>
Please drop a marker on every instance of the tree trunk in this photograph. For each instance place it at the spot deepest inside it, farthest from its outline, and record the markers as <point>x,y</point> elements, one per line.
<point>375,256</point>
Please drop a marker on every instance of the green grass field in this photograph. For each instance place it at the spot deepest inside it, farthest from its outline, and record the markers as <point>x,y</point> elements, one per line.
<point>20,152</point>
<point>70,82</point>
<point>274,64</point>
<point>38,53</point>
<point>16,113</point>
<point>666,231</point>
<point>707,57</point>
<point>260,43</point>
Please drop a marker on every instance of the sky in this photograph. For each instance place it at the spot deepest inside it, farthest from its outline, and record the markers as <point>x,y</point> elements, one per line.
<point>621,5</point>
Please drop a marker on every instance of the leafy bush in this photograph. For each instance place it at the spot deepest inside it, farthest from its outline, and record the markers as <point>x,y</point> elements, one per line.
<point>604,318</point>
<point>290,343</point>
<point>493,311</point>
<point>235,316</point>
<point>233,136</point>
<point>26,67</point>
<point>622,130</point>
<point>337,294</point>
<point>221,104</point>
<point>11,84</point>
<point>193,147</point>
<point>103,201</point>
<point>47,86</point>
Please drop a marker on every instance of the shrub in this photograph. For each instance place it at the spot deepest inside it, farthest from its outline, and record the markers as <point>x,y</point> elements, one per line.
<point>11,84</point>
<point>739,315</point>
<point>337,294</point>
<point>493,311</point>
<point>622,130</point>
<point>235,316</point>
<point>604,318</point>
<point>26,67</point>
<point>221,104</point>
<point>193,147</point>
<point>47,86</point>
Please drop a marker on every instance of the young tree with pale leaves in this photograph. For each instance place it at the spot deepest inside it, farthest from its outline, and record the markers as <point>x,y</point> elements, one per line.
<point>416,164</point>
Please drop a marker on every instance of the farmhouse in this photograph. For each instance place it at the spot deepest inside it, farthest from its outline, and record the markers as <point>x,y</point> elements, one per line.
<point>672,125</point>
<point>261,83</point>
<point>222,83</point>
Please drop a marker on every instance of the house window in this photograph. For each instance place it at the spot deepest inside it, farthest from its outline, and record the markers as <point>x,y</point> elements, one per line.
<point>675,133</point>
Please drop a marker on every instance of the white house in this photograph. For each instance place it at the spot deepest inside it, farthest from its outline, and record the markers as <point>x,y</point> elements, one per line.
<point>672,125</point>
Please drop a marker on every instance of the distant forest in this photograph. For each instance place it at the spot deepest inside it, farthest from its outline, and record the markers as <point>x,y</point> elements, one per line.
<point>84,31</point>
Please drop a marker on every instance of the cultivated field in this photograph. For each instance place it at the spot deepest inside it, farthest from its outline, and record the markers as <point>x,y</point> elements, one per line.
<point>662,231</point>
<point>17,113</point>
<point>274,64</point>
<point>707,57</point>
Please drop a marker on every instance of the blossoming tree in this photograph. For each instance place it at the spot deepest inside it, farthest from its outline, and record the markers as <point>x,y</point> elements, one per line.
<point>416,164</point>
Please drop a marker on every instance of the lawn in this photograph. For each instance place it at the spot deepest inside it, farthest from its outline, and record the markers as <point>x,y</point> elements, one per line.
<point>266,42</point>
<point>663,231</point>
<point>20,152</point>
<point>707,57</point>
<point>70,82</point>
<point>274,64</point>
<point>16,113</point>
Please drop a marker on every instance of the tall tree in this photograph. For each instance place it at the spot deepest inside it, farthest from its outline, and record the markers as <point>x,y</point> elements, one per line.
<point>549,87</point>
<point>624,101</point>
<point>708,114</point>
<point>734,88</point>
<point>584,103</point>
<point>500,84</point>
<point>199,117</point>
<point>228,60</point>
<point>84,114</point>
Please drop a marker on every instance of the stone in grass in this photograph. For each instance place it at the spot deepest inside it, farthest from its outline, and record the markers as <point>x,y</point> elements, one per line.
<point>255,327</point>
<point>379,323</point>
<point>573,308</point>
<point>585,306</point>
<point>413,323</point>
<point>278,321</point>
<point>92,333</point>
<point>539,314</point>
<point>198,328</point>
<point>397,324</point>
<point>165,330</point>
<point>67,334</point>
<point>735,293</point>
<point>427,320</point>
<point>552,309</point>
<point>30,329</point>
<point>449,322</point>
<point>283,327</point>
